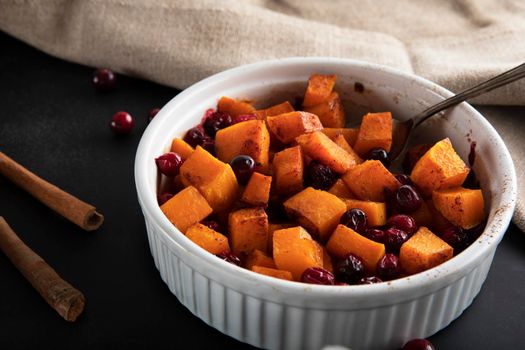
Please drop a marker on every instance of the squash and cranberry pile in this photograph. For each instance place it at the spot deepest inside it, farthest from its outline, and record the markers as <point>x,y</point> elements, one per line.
<point>295,195</point>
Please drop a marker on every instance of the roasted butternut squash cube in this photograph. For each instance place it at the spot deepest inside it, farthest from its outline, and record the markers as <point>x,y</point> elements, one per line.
<point>234,107</point>
<point>259,258</point>
<point>327,261</point>
<point>180,147</point>
<point>288,169</point>
<point>319,147</point>
<point>319,89</point>
<point>257,191</point>
<point>375,132</point>
<point>439,168</point>
<point>208,239</point>
<point>330,112</point>
<point>214,179</point>
<point>423,216</point>
<point>350,134</point>
<point>340,140</point>
<point>250,138</point>
<point>248,230</point>
<point>286,127</point>
<point>186,208</point>
<point>294,250</point>
<point>375,211</point>
<point>341,190</point>
<point>271,229</point>
<point>281,108</point>
<point>344,241</point>
<point>318,211</point>
<point>423,251</point>
<point>461,206</point>
<point>281,274</point>
<point>369,180</point>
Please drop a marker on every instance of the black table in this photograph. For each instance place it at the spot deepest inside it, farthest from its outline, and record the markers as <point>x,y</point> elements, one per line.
<point>55,123</point>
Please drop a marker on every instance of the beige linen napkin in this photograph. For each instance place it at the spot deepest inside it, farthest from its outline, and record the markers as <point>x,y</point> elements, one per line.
<point>455,43</point>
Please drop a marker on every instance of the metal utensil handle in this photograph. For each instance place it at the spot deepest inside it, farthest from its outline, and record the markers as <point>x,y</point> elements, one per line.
<point>499,80</point>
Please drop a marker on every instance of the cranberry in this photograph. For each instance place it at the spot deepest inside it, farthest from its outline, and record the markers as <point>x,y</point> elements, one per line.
<point>406,199</point>
<point>121,123</point>
<point>456,238</point>
<point>475,232</point>
<point>350,269</point>
<point>379,154</point>
<point>104,79</point>
<point>194,137</point>
<point>320,176</point>
<point>169,163</point>
<point>355,219</point>
<point>243,167</point>
<point>243,118</point>
<point>403,222</point>
<point>418,344</point>
<point>394,238</point>
<point>209,145</point>
<point>217,121</point>
<point>152,113</point>
<point>370,280</point>
<point>404,179</point>
<point>164,197</point>
<point>317,275</point>
<point>375,234</point>
<point>212,224</point>
<point>229,257</point>
<point>388,267</point>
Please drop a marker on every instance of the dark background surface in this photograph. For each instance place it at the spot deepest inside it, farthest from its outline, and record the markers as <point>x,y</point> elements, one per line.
<point>53,122</point>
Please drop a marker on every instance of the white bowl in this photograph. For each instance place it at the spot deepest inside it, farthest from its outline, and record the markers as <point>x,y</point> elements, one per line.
<point>272,313</point>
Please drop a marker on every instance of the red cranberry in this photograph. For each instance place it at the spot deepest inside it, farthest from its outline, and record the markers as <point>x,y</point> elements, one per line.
<point>169,163</point>
<point>209,145</point>
<point>152,113</point>
<point>406,199</point>
<point>456,237</point>
<point>194,137</point>
<point>320,176</point>
<point>403,222</point>
<point>370,280</point>
<point>350,269</point>
<point>214,225</point>
<point>164,197</point>
<point>121,123</point>
<point>394,238</point>
<point>404,179</point>
<point>243,167</point>
<point>418,344</point>
<point>317,275</point>
<point>379,154</point>
<point>229,257</point>
<point>243,118</point>
<point>217,121</point>
<point>375,234</point>
<point>104,79</point>
<point>355,219</point>
<point>388,268</point>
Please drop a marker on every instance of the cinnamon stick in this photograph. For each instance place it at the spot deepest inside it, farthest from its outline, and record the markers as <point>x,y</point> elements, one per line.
<point>70,207</point>
<point>63,297</point>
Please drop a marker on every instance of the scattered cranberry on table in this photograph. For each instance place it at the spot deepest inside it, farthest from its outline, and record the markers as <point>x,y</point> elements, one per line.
<point>152,113</point>
<point>121,123</point>
<point>243,167</point>
<point>104,79</point>
<point>317,275</point>
<point>418,344</point>
<point>169,164</point>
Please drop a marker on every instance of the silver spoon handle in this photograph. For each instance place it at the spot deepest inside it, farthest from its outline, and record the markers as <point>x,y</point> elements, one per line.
<point>499,80</point>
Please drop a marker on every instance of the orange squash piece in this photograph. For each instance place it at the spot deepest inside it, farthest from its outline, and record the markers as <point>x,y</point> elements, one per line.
<point>368,181</point>
<point>423,251</point>
<point>375,211</point>
<point>186,208</point>
<point>208,239</point>
<point>286,127</point>
<point>234,107</point>
<point>281,274</point>
<point>375,132</point>
<point>180,147</point>
<point>461,206</point>
<point>257,191</point>
<point>318,211</point>
<point>423,216</point>
<point>319,147</point>
<point>330,112</point>
<point>214,179</point>
<point>281,108</point>
<point>259,258</point>
<point>341,190</point>
<point>294,250</point>
<point>319,89</point>
<point>271,229</point>
<point>344,241</point>
<point>288,168</point>
<point>248,230</point>
<point>350,134</point>
<point>439,168</point>
<point>327,261</point>
<point>340,140</point>
<point>250,138</point>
